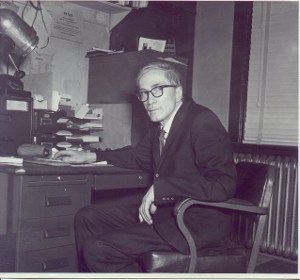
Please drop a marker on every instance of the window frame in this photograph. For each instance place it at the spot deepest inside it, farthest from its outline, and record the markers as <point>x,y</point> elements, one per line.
<point>239,69</point>
<point>241,43</point>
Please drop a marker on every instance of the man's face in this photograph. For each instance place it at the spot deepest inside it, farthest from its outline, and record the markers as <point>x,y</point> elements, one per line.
<point>159,109</point>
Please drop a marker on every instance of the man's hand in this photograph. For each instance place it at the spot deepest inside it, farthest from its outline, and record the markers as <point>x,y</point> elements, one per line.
<point>147,207</point>
<point>75,156</point>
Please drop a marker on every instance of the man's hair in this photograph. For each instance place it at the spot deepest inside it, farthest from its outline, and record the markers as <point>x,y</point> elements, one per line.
<point>171,73</point>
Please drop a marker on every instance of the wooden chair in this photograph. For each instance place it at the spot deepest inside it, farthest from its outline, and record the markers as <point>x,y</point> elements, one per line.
<point>253,195</point>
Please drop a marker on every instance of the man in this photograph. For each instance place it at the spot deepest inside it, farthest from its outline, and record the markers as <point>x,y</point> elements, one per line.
<point>189,153</point>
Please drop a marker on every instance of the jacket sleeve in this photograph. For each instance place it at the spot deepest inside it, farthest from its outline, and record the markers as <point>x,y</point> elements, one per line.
<point>138,157</point>
<point>210,174</point>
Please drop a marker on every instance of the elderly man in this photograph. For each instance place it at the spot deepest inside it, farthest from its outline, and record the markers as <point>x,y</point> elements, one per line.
<point>189,152</point>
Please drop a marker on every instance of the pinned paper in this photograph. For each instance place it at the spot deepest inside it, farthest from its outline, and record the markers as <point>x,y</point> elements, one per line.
<point>39,102</point>
<point>94,113</point>
<point>82,111</point>
<point>89,112</point>
<point>55,100</point>
<point>59,99</point>
<point>66,97</point>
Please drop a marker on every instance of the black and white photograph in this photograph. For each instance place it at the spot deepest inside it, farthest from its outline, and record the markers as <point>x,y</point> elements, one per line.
<point>149,139</point>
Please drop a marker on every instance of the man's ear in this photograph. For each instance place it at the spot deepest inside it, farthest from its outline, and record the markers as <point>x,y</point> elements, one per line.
<point>179,93</point>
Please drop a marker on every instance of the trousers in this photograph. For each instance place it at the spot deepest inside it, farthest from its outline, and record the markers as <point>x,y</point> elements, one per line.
<point>110,238</point>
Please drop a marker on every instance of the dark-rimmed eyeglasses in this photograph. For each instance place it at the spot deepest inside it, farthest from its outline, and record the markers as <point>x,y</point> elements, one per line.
<point>156,92</point>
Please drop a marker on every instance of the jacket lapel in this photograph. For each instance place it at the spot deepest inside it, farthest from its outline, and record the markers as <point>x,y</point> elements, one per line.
<point>175,128</point>
<point>156,152</point>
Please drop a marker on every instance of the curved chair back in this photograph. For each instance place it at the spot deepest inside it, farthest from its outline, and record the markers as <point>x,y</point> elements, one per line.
<point>254,183</point>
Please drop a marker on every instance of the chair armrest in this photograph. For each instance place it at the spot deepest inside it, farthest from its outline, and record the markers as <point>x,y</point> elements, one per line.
<point>231,204</point>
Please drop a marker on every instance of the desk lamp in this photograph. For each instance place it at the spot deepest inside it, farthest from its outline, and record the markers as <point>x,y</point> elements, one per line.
<point>17,38</point>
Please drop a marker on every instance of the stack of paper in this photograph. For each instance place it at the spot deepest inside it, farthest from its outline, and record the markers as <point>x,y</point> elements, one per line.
<point>90,125</point>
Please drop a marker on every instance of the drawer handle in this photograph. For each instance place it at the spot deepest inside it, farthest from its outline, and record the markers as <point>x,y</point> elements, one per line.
<point>55,264</point>
<point>56,232</point>
<point>58,201</point>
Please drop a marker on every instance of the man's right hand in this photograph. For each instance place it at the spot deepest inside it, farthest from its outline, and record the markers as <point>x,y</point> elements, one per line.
<point>75,156</point>
<point>147,207</point>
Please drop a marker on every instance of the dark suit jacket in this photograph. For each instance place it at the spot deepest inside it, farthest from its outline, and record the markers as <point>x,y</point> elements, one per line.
<point>197,162</point>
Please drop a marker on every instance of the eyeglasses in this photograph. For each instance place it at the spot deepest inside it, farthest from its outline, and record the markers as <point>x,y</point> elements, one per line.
<point>156,92</point>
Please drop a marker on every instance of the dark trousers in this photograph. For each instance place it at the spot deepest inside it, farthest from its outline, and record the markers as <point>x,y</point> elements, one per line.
<point>109,239</point>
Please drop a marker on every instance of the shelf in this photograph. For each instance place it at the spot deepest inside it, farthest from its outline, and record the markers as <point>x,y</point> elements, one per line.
<point>117,13</point>
<point>103,6</point>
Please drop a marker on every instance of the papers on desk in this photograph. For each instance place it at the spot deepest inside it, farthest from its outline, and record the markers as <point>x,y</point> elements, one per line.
<point>46,161</point>
<point>56,162</point>
<point>99,163</point>
<point>7,160</point>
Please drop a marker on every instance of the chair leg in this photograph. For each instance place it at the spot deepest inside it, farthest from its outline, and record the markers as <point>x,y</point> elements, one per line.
<point>256,244</point>
<point>188,236</point>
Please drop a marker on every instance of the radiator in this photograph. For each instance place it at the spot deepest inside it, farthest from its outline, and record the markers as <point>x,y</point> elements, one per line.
<point>281,231</point>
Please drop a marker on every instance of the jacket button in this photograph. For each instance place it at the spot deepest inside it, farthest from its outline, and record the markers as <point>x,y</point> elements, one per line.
<point>156,175</point>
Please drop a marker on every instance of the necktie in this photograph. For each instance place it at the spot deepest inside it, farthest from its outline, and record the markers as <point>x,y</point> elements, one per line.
<point>161,140</point>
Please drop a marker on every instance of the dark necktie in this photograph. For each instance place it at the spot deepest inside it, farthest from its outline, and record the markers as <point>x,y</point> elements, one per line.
<point>162,134</point>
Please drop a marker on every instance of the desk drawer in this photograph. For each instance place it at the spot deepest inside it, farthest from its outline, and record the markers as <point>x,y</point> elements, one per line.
<point>36,181</point>
<point>61,259</point>
<point>46,233</point>
<point>122,181</point>
<point>47,201</point>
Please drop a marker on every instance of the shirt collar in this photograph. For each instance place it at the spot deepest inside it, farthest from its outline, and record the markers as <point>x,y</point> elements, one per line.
<point>169,122</point>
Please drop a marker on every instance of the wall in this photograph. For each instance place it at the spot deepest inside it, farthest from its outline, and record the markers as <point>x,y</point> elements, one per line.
<point>61,65</point>
<point>212,56</point>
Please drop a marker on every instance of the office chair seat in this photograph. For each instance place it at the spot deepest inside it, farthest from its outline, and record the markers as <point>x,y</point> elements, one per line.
<point>208,261</point>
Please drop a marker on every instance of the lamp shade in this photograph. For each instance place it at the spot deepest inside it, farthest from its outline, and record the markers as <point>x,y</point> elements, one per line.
<point>23,36</point>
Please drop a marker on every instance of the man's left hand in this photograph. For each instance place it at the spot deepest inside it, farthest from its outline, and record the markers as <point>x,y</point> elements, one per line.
<point>147,208</point>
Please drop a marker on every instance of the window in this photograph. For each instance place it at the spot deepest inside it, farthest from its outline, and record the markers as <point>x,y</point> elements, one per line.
<point>272,96</point>
<point>264,84</point>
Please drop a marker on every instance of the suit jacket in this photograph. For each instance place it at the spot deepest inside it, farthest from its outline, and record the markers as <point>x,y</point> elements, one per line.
<point>197,162</point>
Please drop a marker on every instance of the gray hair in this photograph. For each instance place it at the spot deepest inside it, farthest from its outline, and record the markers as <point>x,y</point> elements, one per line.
<point>171,73</point>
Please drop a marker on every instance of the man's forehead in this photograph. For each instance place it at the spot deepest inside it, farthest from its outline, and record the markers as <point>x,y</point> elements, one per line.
<point>154,74</point>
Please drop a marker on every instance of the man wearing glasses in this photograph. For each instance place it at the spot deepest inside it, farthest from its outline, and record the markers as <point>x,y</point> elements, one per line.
<point>189,152</point>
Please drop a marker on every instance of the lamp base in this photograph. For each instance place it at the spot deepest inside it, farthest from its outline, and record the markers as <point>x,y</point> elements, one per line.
<point>12,86</point>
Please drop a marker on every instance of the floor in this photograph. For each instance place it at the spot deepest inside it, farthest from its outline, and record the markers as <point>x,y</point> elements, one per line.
<point>268,264</point>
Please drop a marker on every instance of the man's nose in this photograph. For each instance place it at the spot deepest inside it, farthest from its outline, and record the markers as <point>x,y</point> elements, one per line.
<point>151,98</point>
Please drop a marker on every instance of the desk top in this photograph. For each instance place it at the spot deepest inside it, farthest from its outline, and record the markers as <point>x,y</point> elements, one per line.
<point>39,169</point>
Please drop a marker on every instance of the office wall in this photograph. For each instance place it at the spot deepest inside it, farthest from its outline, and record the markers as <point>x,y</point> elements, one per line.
<point>212,56</point>
<point>61,64</point>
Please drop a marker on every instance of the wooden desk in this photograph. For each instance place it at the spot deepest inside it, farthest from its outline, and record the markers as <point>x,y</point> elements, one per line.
<point>37,211</point>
